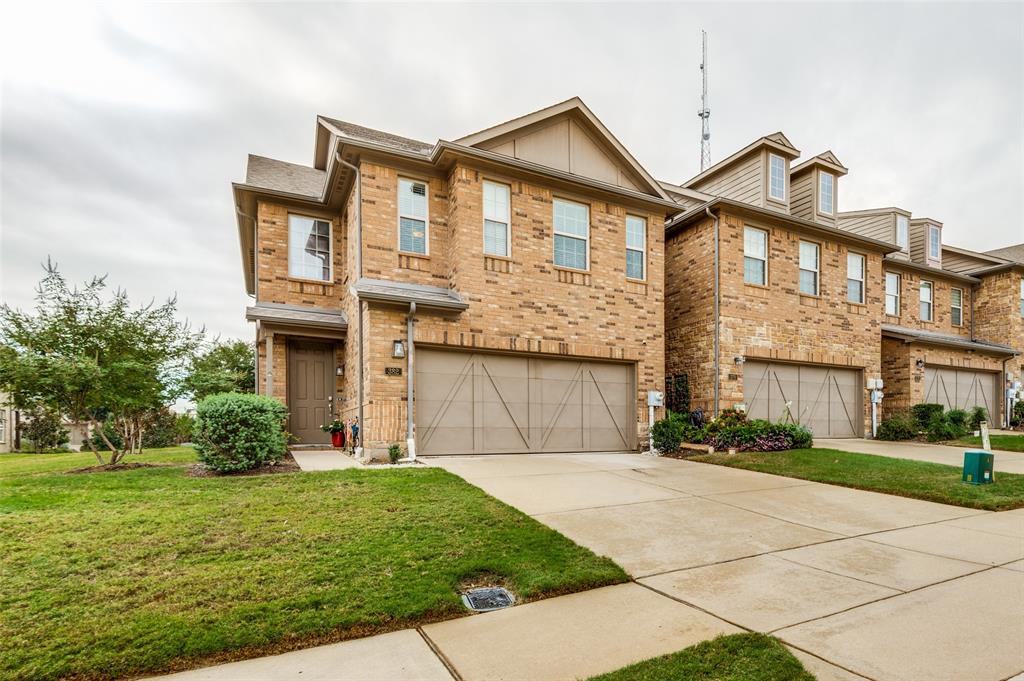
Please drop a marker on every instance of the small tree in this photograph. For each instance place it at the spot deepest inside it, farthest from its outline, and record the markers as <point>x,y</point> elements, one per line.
<point>222,367</point>
<point>90,357</point>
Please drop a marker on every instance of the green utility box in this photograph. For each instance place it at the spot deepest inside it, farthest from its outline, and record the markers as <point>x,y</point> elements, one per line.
<point>978,467</point>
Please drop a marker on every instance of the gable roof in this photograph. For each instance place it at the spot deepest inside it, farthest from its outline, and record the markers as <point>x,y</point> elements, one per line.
<point>1014,253</point>
<point>361,133</point>
<point>576,109</point>
<point>775,141</point>
<point>825,159</point>
<point>280,176</point>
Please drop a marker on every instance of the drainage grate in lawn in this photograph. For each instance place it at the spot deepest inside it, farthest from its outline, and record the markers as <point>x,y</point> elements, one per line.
<point>488,598</point>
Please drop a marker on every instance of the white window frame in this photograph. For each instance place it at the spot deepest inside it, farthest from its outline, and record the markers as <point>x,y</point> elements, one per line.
<point>771,177</point>
<point>953,308</point>
<point>507,216</point>
<point>642,251</point>
<point>897,297</point>
<point>931,300</point>
<point>330,248</point>
<point>555,232</point>
<point>746,255</point>
<point>832,192</point>
<point>903,228</point>
<point>816,270</point>
<point>862,280</point>
<point>934,231</point>
<point>425,218</point>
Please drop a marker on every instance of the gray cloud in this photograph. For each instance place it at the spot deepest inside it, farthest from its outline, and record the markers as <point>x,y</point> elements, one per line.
<point>121,129</point>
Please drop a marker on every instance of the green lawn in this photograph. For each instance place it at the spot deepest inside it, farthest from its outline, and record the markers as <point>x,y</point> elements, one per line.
<point>106,575</point>
<point>1006,443</point>
<point>738,657</point>
<point>902,477</point>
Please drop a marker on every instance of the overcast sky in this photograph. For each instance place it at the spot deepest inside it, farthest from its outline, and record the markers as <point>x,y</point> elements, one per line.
<point>121,128</point>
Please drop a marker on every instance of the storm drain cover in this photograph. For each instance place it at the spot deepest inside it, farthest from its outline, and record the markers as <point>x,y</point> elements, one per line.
<point>488,598</point>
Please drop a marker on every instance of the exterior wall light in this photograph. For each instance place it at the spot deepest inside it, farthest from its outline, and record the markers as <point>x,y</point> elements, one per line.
<point>339,370</point>
<point>398,349</point>
<point>919,363</point>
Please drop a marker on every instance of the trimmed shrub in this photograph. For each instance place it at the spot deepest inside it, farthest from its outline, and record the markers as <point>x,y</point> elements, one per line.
<point>923,413</point>
<point>941,428</point>
<point>394,453</point>
<point>237,432</point>
<point>671,431</point>
<point>958,417</point>
<point>757,435</point>
<point>978,414</point>
<point>898,427</point>
<point>1017,416</point>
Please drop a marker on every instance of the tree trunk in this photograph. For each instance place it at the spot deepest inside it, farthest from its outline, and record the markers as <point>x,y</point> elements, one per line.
<point>98,427</point>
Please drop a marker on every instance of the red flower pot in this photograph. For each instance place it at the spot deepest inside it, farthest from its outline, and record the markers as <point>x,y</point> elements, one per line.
<point>336,439</point>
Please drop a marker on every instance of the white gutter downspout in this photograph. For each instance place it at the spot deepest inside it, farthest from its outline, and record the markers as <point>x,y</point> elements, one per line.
<point>718,378</point>
<point>359,275</point>
<point>410,335</point>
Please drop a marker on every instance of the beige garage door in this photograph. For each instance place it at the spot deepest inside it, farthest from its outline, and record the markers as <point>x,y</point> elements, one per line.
<point>827,400</point>
<point>480,403</point>
<point>963,389</point>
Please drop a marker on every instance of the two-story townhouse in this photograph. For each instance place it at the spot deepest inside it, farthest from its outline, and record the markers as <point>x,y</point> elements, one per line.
<point>936,347</point>
<point>769,305</point>
<point>508,284</point>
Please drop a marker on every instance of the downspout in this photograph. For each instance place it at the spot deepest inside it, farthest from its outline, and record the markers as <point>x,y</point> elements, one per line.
<point>718,377</point>
<point>359,275</point>
<point>410,336</point>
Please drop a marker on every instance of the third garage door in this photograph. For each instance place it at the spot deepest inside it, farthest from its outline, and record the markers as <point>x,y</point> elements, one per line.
<point>827,400</point>
<point>962,389</point>
<point>483,403</point>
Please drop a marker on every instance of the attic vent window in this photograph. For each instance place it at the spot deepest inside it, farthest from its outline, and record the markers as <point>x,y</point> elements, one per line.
<point>419,190</point>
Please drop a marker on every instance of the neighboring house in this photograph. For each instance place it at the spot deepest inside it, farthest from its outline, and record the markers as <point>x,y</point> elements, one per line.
<point>511,281</point>
<point>779,303</point>
<point>795,331</point>
<point>8,426</point>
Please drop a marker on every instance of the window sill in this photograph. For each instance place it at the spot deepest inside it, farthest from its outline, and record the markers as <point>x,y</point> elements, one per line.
<point>761,287</point>
<point>413,254</point>
<point>814,296</point>
<point>563,268</point>
<point>493,256</point>
<point>302,280</point>
<point>636,281</point>
<point>856,304</point>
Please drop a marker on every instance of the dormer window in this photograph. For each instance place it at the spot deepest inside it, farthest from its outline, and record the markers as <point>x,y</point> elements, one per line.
<point>902,231</point>
<point>826,193</point>
<point>776,177</point>
<point>934,243</point>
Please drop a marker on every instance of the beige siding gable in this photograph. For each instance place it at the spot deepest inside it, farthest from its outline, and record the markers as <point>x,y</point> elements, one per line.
<point>962,262</point>
<point>743,182</point>
<point>919,242</point>
<point>564,144</point>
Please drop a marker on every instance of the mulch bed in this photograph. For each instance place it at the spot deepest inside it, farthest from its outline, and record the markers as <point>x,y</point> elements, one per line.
<point>114,467</point>
<point>285,465</point>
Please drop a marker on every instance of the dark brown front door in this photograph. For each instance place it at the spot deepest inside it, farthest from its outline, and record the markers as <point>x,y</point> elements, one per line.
<point>310,390</point>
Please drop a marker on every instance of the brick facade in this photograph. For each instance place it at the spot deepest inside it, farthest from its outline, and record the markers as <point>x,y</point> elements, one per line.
<point>766,322</point>
<point>998,314</point>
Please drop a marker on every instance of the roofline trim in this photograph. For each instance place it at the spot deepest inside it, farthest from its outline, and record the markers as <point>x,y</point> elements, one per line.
<point>745,151</point>
<point>925,269</point>
<point>911,336</point>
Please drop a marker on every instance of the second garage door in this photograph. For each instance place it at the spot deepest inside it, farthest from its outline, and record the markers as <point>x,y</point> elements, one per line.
<point>827,400</point>
<point>482,403</point>
<point>962,389</point>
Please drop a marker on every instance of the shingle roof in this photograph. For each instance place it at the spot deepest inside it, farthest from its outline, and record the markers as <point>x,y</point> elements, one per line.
<point>400,292</point>
<point>1015,252</point>
<point>269,173</point>
<point>387,139</point>
<point>937,338</point>
<point>294,315</point>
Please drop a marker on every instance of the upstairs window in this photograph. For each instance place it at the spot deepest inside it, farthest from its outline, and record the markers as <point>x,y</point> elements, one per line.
<point>636,246</point>
<point>497,219</point>
<point>926,301</point>
<point>892,294</point>
<point>902,231</point>
<point>934,243</point>
<point>412,216</point>
<point>809,268</point>
<point>309,248</point>
<point>855,277</point>
<point>572,234</point>
<point>777,177</point>
<point>956,302</point>
<point>755,256</point>
<point>826,193</point>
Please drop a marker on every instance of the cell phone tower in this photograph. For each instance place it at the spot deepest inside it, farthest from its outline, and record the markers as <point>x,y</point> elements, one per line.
<point>705,109</point>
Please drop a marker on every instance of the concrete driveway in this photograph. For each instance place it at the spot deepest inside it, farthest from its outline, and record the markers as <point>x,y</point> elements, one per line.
<point>861,585</point>
<point>1005,462</point>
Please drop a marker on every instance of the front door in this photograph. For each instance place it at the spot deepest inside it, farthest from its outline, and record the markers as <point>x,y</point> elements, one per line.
<point>310,390</point>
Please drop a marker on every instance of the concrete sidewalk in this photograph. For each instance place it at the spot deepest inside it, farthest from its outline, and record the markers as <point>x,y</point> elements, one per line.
<point>860,585</point>
<point>1005,462</point>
